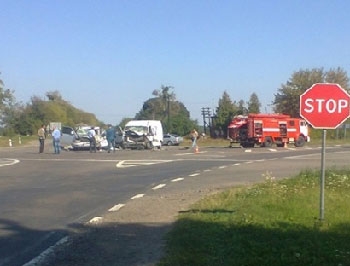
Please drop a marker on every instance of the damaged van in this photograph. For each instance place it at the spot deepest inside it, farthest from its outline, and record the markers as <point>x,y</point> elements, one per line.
<point>140,134</point>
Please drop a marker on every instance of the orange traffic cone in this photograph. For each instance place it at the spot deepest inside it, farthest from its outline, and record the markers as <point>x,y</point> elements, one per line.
<point>196,149</point>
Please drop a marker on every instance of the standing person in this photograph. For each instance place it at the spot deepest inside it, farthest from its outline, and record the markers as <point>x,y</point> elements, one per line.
<point>92,139</point>
<point>110,135</point>
<point>41,136</point>
<point>194,136</point>
<point>56,140</point>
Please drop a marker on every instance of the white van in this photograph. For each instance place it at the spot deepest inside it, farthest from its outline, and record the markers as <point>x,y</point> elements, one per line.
<point>143,134</point>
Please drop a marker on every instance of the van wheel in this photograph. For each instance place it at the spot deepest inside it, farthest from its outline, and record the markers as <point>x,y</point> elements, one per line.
<point>300,142</point>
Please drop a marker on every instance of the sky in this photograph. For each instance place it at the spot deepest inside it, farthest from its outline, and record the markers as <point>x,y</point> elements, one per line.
<point>107,57</point>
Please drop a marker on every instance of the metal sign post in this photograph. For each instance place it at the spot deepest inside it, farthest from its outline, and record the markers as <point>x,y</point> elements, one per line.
<point>322,177</point>
<point>324,105</point>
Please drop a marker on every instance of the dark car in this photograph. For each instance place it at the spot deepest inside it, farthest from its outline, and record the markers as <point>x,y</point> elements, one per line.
<point>172,139</point>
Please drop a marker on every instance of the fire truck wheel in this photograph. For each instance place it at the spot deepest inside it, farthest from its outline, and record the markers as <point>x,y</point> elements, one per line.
<point>244,144</point>
<point>268,142</point>
<point>299,142</point>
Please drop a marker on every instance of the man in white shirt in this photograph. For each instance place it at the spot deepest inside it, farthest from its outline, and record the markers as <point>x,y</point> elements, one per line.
<point>56,140</point>
<point>92,135</point>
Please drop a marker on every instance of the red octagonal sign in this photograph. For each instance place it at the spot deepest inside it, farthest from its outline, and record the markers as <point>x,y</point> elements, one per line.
<point>325,105</point>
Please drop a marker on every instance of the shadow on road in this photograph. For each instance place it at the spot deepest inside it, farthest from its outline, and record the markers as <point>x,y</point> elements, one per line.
<point>19,244</point>
<point>131,244</point>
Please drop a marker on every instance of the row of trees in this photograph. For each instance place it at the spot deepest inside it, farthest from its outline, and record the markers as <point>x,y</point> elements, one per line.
<point>25,119</point>
<point>287,98</point>
<point>18,118</point>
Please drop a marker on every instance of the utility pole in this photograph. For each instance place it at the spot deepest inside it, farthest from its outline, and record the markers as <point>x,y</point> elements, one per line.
<point>168,112</point>
<point>1,83</point>
<point>206,115</point>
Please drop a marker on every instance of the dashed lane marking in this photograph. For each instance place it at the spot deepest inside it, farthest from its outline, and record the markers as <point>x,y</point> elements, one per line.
<point>177,179</point>
<point>195,174</point>
<point>159,186</point>
<point>116,207</point>
<point>138,196</point>
<point>96,220</point>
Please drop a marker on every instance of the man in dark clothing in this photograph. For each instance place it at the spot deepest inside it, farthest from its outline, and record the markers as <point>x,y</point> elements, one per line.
<point>110,135</point>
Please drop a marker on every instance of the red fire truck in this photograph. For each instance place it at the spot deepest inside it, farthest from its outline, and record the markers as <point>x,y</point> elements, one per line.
<point>267,129</point>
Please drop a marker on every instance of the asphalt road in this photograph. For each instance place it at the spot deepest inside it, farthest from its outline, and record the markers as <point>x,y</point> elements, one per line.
<point>43,196</point>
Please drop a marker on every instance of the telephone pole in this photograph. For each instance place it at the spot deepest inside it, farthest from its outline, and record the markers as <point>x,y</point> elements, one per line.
<point>206,115</point>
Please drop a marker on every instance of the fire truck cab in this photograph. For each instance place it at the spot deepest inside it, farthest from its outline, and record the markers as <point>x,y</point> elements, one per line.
<point>265,130</point>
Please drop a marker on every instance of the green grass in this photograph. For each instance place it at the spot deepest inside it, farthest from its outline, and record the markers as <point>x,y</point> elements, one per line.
<point>274,223</point>
<point>16,140</point>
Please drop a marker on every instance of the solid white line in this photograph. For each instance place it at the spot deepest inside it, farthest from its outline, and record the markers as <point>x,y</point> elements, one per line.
<point>13,161</point>
<point>189,153</point>
<point>116,207</point>
<point>130,163</point>
<point>120,164</point>
<point>159,186</point>
<point>43,255</point>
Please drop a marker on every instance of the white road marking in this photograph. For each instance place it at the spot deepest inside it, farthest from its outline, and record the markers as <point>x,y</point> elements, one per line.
<point>138,196</point>
<point>195,174</point>
<point>130,163</point>
<point>116,207</point>
<point>177,179</point>
<point>46,253</point>
<point>248,162</point>
<point>272,150</point>
<point>222,167</point>
<point>190,153</point>
<point>159,186</point>
<point>8,161</point>
<point>96,220</point>
<point>248,151</point>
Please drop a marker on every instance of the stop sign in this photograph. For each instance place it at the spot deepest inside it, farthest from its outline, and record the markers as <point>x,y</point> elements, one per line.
<point>325,105</point>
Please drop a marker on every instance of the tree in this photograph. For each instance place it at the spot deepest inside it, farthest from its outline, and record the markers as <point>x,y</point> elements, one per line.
<point>287,99</point>
<point>39,111</point>
<point>54,96</point>
<point>8,107</point>
<point>338,76</point>
<point>241,108</point>
<point>254,104</point>
<point>226,110</point>
<point>172,113</point>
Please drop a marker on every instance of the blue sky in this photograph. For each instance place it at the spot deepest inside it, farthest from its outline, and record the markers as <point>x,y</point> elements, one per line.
<point>107,57</point>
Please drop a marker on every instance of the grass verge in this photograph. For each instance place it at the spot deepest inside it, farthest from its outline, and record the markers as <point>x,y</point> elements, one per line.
<point>17,141</point>
<point>274,223</point>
